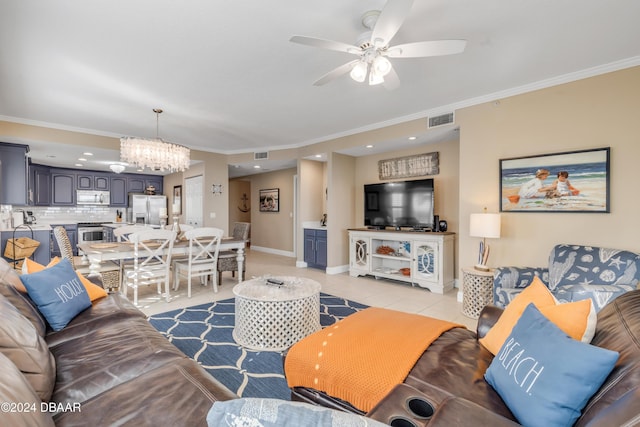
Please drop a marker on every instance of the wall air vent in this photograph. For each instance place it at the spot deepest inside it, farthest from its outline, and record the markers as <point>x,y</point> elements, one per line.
<point>441,120</point>
<point>264,155</point>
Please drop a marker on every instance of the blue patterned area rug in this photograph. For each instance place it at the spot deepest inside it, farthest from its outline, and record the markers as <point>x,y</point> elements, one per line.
<point>203,332</point>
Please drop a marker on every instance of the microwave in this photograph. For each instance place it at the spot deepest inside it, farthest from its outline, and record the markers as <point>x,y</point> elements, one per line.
<point>91,197</point>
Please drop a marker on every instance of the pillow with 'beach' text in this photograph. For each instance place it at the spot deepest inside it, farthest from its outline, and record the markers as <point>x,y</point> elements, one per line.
<point>544,376</point>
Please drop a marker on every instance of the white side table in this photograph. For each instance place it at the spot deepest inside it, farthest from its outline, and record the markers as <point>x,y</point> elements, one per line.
<point>477,291</point>
<point>273,318</point>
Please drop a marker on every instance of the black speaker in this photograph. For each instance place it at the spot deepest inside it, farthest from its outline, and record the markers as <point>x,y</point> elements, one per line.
<point>442,225</point>
<point>436,223</point>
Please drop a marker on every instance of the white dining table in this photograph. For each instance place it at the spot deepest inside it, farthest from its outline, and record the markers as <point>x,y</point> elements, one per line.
<point>97,253</point>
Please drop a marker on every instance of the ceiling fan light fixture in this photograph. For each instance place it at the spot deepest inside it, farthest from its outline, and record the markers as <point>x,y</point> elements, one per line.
<point>381,65</point>
<point>375,78</point>
<point>359,72</point>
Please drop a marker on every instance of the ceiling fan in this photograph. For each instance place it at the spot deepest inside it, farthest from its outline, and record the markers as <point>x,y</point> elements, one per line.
<point>373,48</point>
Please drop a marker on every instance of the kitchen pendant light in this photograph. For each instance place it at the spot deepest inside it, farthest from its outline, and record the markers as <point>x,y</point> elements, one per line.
<point>154,154</point>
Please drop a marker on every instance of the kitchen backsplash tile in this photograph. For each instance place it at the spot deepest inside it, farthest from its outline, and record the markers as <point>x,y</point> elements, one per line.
<point>71,214</point>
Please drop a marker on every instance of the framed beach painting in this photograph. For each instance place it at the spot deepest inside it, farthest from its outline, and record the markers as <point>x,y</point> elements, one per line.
<point>575,181</point>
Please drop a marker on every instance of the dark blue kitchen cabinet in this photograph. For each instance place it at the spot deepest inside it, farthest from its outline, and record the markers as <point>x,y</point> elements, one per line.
<point>39,185</point>
<point>139,183</point>
<point>155,181</point>
<point>135,184</point>
<point>93,181</point>
<point>13,174</point>
<point>101,182</point>
<point>51,186</point>
<point>118,193</point>
<point>63,188</point>
<point>315,248</point>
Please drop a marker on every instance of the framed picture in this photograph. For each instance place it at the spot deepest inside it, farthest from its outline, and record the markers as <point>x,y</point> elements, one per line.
<point>270,200</point>
<point>177,200</point>
<point>575,181</point>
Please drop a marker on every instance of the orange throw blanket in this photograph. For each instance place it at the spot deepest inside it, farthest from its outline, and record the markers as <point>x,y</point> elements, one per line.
<point>362,357</point>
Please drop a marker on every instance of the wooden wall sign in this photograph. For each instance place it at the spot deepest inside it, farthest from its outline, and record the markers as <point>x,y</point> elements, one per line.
<point>409,166</point>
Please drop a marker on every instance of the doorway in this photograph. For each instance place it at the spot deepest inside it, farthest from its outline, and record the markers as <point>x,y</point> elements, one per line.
<point>193,201</point>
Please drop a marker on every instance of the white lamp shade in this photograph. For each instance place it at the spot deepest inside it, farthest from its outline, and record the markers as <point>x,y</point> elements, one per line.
<point>485,225</point>
<point>359,72</point>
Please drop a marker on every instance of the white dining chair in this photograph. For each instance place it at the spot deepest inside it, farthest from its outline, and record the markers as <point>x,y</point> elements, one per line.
<point>122,233</point>
<point>152,261</point>
<point>202,259</point>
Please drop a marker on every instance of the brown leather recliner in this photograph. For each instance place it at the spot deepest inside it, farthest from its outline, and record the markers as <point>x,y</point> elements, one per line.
<point>111,368</point>
<point>449,378</point>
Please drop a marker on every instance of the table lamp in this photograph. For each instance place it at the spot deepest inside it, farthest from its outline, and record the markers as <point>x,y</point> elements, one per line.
<point>485,225</point>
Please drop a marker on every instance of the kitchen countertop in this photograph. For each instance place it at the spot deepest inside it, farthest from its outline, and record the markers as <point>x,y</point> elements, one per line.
<point>34,227</point>
<point>116,224</point>
<point>313,225</point>
<point>46,226</point>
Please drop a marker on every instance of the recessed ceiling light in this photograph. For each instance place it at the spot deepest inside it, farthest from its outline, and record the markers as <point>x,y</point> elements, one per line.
<point>318,156</point>
<point>368,146</point>
<point>412,138</point>
<point>79,165</point>
<point>82,159</point>
<point>87,154</point>
<point>256,166</point>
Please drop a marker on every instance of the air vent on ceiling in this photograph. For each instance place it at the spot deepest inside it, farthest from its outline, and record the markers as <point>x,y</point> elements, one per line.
<point>261,155</point>
<point>441,120</point>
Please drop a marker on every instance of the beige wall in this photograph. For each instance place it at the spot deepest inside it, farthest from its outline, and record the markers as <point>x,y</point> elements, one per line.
<point>21,133</point>
<point>273,230</point>
<point>602,111</point>
<point>214,170</point>
<point>238,188</point>
<point>341,174</point>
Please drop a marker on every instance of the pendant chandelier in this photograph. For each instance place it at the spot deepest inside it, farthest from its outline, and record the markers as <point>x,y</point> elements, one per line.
<point>154,154</point>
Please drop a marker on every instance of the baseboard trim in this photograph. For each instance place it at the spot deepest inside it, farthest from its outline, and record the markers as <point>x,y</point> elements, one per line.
<point>337,270</point>
<point>301,264</point>
<point>273,251</point>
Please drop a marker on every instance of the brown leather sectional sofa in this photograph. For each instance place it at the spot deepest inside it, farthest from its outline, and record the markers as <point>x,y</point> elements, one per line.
<point>111,368</point>
<point>446,387</point>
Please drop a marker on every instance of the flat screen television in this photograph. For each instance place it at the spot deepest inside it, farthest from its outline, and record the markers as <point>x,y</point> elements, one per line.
<point>399,204</point>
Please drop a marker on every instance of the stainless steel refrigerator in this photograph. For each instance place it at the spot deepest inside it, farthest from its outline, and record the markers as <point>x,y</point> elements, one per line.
<point>146,209</point>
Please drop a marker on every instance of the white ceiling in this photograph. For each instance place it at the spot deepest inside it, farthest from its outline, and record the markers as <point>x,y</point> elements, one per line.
<point>229,80</point>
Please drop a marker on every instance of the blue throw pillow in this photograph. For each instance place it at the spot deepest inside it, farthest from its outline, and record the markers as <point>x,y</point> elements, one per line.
<point>58,293</point>
<point>544,376</point>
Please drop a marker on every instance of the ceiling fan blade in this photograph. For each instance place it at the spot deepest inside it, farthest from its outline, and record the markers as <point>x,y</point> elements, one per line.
<point>326,44</point>
<point>391,80</point>
<point>428,48</point>
<point>335,73</point>
<point>391,18</point>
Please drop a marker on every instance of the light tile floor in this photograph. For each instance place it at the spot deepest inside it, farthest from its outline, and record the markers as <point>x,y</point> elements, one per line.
<point>366,290</point>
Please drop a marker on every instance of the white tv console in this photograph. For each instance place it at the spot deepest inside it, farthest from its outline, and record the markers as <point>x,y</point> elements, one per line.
<point>388,254</point>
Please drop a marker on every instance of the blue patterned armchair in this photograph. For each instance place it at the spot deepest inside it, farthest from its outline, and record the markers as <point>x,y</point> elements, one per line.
<point>575,273</point>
